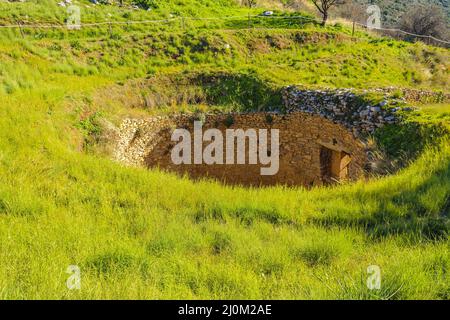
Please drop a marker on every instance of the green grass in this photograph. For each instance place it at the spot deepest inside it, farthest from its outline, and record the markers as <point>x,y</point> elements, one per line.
<point>45,11</point>
<point>440,109</point>
<point>140,234</point>
<point>145,234</point>
<point>274,56</point>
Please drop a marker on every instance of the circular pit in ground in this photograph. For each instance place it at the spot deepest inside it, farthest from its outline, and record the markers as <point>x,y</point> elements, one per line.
<point>312,150</point>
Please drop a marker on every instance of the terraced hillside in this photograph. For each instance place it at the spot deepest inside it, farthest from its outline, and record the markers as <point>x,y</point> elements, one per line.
<point>148,234</point>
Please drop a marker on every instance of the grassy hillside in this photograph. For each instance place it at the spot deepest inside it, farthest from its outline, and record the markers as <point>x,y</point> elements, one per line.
<point>139,233</point>
<point>49,11</point>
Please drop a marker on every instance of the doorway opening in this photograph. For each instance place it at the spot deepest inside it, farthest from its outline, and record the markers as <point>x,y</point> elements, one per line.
<point>334,165</point>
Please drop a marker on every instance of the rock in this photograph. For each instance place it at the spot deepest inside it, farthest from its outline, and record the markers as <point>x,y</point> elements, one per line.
<point>375,109</point>
<point>364,113</point>
<point>341,106</point>
<point>390,119</point>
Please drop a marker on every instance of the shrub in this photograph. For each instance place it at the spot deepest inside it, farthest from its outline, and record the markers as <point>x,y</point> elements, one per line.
<point>317,254</point>
<point>147,4</point>
<point>229,121</point>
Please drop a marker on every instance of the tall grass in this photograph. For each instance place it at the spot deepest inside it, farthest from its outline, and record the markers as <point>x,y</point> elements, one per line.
<point>144,234</point>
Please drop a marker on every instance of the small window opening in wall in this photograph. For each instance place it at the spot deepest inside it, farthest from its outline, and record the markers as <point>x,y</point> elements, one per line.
<point>334,165</point>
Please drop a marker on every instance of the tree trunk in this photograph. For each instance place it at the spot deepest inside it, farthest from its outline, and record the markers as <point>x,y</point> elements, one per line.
<point>325,19</point>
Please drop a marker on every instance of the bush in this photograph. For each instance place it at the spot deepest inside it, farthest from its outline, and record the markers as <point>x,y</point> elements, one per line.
<point>146,4</point>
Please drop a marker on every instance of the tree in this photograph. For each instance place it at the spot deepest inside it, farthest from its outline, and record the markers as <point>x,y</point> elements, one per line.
<point>425,20</point>
<point>249,3</point>
<point>353,11</point>
<point>297,5</point>
<point>324,7</point>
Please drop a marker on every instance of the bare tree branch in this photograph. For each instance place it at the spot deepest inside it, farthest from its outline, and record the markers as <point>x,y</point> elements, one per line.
<point>324,7</point>
<point>425,20</point>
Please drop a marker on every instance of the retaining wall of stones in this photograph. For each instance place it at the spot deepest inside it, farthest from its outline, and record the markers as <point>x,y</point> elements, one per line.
<point>147,142</point>
<point>348,108</point>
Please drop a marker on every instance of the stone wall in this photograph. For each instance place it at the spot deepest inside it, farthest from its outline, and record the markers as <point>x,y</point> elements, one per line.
<point>302,139</point>
<point>416,96</point>
<point>348,108</point>
<point>317,125</point>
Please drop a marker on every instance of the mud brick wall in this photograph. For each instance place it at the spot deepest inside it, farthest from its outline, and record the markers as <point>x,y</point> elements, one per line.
<point>147,142</point>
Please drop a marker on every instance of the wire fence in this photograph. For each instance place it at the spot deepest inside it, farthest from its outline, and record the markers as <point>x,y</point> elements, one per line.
<point>404,32</point>
<point>184,20</point>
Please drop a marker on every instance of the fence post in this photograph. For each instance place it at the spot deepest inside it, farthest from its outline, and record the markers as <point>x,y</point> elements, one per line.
<point>20,28</point>
<point>353,30</point>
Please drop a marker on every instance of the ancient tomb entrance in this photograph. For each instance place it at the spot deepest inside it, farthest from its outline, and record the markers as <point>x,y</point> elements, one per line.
<point>334,165</point>
<point>312,150</point>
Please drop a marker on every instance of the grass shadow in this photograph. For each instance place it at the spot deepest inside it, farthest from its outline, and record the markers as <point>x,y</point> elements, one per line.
<point>418,213</point>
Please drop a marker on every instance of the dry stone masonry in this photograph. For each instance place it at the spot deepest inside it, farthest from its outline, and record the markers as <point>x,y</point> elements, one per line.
<point>351,110</point>
<point>313,150</point>
<point>322,136</point>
